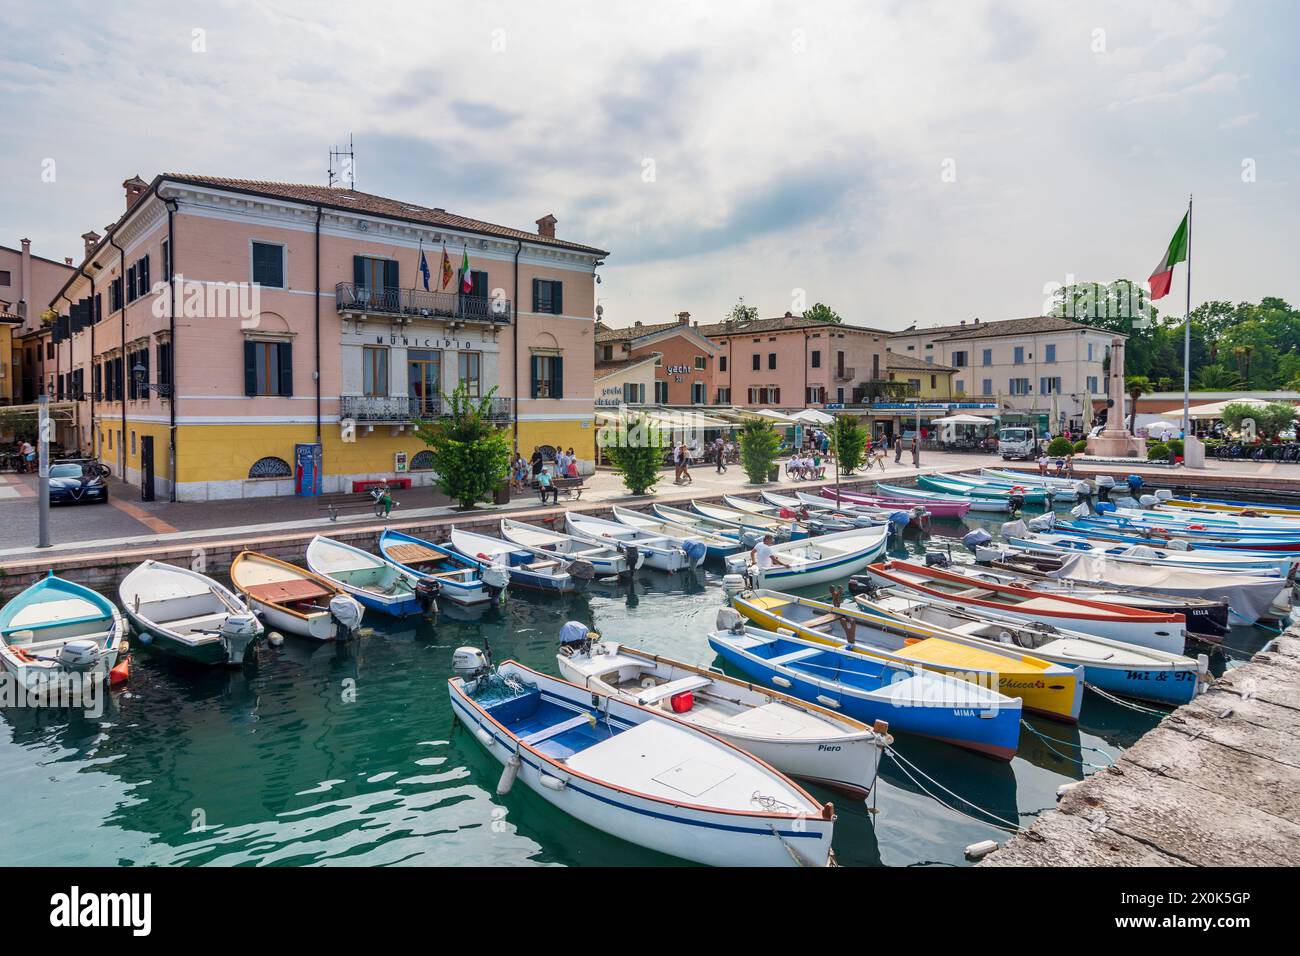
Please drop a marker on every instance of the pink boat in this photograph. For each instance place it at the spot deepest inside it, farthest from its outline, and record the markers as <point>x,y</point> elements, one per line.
<point>938,509</point>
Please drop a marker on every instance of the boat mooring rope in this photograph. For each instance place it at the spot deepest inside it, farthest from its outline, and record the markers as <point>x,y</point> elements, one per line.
<point>1125,703</point>
<point>903,763</point>
<point>1074,760</point>
<point>1256,623</point>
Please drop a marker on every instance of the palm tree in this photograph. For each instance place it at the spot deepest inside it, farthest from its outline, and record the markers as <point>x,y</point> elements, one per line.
<point>1138,385</point>
<point>1217,378</point>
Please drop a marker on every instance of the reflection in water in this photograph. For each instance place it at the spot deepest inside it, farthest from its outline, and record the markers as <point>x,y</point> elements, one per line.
<point>348,753</point>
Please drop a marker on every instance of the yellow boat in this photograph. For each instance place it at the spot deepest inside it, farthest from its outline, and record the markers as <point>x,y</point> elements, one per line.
<point>1052,690</point>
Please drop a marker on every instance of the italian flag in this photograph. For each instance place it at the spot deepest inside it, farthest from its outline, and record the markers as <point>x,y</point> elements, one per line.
<point>1163,277</point>
<point>466,284</point>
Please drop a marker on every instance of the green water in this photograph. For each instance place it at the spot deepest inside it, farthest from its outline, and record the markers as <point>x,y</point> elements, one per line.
<point>349,754</point>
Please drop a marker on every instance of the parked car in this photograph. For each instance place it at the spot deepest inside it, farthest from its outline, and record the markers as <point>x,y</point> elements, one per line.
<point>78,481</point>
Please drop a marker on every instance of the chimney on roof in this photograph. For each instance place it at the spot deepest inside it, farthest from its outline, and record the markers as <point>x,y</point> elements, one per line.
<point>977,320</point>
<point>91,239</point>
<point>636,324</point>
<point>683,318</point>
<point>787,320</point>
<point>134,187</point>
<point>546,226</point>
<point>67,260</point>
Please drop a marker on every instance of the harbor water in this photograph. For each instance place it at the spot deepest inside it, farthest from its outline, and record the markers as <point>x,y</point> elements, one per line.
<point>348,754</point>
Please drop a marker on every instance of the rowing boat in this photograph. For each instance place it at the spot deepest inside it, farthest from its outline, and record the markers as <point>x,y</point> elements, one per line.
<point>376,582</point>
<point>525,566</point>
<point>460,580</point>
<point>716,545</point>
<point>660,553</point>
<point>607,559</point>
<point>188,615</point>
<point>1030,496</point>
<point>812,561</point>
<point>745,521</point>
<point>294,601</point>
<point>57,630</point>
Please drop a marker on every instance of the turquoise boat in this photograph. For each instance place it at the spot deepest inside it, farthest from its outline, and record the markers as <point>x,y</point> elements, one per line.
<point>56,629</point>
<point>944,483</point>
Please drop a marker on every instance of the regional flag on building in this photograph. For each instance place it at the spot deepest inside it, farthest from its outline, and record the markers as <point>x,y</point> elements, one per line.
<point>446,267</point>
<point>1163,277</point>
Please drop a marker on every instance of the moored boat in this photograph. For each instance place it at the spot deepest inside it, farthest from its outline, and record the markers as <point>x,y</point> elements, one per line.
<point>461,580</point>
<point>801,739</point>
<point>659,552</point>
<point>188,615</point>
<point>810,561</point>
<point>607,559</point>
<point>635,773</point>
<point>896,495</point>
<point>747,522</point>
<point>294,601</point>
<point>716,546</point>
<point>57,630</point>
<point>526,568</point>
<point>911,699</point>
<point>377,583</point>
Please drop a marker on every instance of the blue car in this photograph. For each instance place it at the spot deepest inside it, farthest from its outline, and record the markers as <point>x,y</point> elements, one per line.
<point>80,481</point>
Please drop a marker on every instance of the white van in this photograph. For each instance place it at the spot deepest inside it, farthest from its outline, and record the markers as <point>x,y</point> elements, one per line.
<point>1018,442</point>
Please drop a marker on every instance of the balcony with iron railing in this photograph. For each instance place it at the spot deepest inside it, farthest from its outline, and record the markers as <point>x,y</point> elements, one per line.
<point>843,374</point>
<point>415,304</point>
<point>404,409</point>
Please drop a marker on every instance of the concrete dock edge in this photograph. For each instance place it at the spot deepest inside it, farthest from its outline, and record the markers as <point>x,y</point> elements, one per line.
<point>1216,783</point>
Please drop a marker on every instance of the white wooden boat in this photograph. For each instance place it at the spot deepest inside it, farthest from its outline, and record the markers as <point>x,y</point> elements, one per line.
<point>526,567</point>
<point>660,553</point>
<point>295,601</point>
<point>605,559</point>
<point>801,739</point>
<point>1279,564</point>
<point>716,545</point>
<point>814,560</point>
<point>57,631</point>
<point>746,521</point>
<point>188,615</point>
<point>378,584</point>
<point>636,773</point>
<point>1163,632</point>
<point>460,580</point>
<point>822,520</point>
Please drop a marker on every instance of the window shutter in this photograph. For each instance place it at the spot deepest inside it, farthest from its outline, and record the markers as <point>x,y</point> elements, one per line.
<point>285,350</point>
<point>557,298</point>
<point>535,367</point>
<point>144,274</point>
<point>557,377</point>
<point>537,286</point>
<point>390,275</point>
<point>358,270</point>
<point>250,368</point>
<point>144,360</point>
<point>480,281</point>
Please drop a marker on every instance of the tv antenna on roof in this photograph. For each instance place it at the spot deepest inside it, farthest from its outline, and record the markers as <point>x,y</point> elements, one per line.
<point>343,165</point>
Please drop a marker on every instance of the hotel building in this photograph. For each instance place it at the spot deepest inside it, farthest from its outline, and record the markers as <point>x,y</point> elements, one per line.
<point>225,331</point>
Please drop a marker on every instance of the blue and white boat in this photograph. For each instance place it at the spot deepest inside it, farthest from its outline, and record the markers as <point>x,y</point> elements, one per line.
<point>820,560</point>
<point>912,700</point>
<point>1254,563</point>
<point>921,495</point>
<point>659,552</point>
<point>820,519</point>
<point>717,546</point>
<point>525,567</point>
<point>460,580</point>
<point>606,559</point>
<point>691,519</point>
<point>749,523</point>
<point>635,773</point>
<point>56,630</point>
<point>377,583</point>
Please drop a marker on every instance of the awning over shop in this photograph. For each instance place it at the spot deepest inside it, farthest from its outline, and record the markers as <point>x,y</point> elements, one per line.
<point>962,420</point>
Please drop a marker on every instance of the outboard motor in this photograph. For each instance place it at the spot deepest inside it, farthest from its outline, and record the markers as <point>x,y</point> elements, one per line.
<point>987,555</point>
<point>729,621</point>
<point>696,552</point>
<point>1081,510</point>
<point>1104,485</point>
<point>1105,508</point>
<point>79,656</point>
<point>576,638</point>
<point>426,592</point>
<point>973,539</point>
<point>632,554</point>
<point>1017,499</point>
<point>864,584</point>
<point>897,522</point>
<point>237,632</point>
<point>1082,490</point>
<point>749,539</point>
<point>495,577</point>
<point>920,522</point>
<point>1148,501</point>
<point>470,664</point>
<point>1044,522</point>
<point>1013,529</point>
<point>346,612</point>
<point>1125,501</point>
<point>1163,494</point>
<point>937,559</point>
<point>1134,483</point>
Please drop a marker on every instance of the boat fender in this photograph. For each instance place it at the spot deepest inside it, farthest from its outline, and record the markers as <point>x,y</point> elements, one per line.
<point>780,682</point>
<point>828,701</point>
<point>977,851</point>
<point>683,702</point>
<point>728,619</point>
<point>552,783</point>
<point>122,672</point>
<point>484,737</point>
<point>508,775</point>
<point>648,682</point>
<point>145,638</point>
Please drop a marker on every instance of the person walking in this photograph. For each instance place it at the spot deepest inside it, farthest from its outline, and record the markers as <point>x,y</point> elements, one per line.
<point>720,453</point>
<point>916,452</point>
<point>898,449</point>
<point>686,465</point>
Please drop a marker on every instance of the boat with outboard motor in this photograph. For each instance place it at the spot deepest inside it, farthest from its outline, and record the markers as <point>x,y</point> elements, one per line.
<point>188,615</point>
<point>819,560</point>
<point>461,580</point>
<point>294,601</point>
<point>376,582</point>
<point>57,631</point>
<point>716,545</point>
<point>527,567</point>
<point>607,559</point>
<point>660,553</point>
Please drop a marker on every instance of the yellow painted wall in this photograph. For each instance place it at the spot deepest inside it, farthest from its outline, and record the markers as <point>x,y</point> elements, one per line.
<point>9,370</point>
<point>563,434</point>
<point>942,382</point>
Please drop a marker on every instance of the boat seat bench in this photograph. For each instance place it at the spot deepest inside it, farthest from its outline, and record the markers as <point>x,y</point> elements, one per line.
<point>288,592</point>
<point>652,695</point>
<point>796,656</point>
<point>546,733</point>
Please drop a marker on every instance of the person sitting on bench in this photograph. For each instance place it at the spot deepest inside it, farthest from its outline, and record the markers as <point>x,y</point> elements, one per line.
<point>546,486</point>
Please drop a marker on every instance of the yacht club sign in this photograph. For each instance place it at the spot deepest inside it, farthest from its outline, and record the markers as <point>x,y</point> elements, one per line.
<point>677,372</point>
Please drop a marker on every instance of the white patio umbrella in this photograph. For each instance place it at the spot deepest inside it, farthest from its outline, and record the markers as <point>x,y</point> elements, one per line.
<point>961,420</point>
<point>815,416</point>
<point>1212,410</point>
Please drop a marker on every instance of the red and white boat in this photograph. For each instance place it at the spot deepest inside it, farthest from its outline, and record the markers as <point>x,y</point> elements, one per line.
<point>947,586</point>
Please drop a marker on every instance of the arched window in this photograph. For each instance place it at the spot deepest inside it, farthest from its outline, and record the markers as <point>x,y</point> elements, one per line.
<point>270,467</point>
<point>422,461</point>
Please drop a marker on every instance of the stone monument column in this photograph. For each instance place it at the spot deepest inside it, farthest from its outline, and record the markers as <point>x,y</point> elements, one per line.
<point>1115,440</point>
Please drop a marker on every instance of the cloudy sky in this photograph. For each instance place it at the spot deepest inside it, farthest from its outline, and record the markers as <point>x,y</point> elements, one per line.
<point>901,161</point>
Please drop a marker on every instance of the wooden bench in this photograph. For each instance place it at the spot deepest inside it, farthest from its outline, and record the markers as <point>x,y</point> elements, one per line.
<point>412,553</point>
<point>294,591</point>
<point>566,487</point>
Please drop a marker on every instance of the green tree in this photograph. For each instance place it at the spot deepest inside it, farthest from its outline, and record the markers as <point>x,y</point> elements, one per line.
<point>1216,378</point>
<point>1060,446</point>
<point>822,313</point>
<point>742,313</point>
<point>1137,386</point>
<point>758,446</point>
<point>848,439</point>
<point>1258,422</point>
<point>636,452</point>
<point>471,456</point>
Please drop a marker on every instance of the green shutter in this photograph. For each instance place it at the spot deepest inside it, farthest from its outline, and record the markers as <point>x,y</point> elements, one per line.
<point>537,285</point>
<point>359,271</point>
<point>535,367</point>
<point>557,377</point>
<point>557,298</point>
<point>390,275</point>
<point>250,368</point>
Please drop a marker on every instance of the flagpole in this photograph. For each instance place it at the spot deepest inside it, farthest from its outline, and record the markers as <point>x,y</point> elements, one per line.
<point>1187,333</point>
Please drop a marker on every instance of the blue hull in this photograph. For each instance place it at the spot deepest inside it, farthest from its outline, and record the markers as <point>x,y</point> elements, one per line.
<point>408,607</point>
<point>996,735</point>
<point>1154,684</point>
